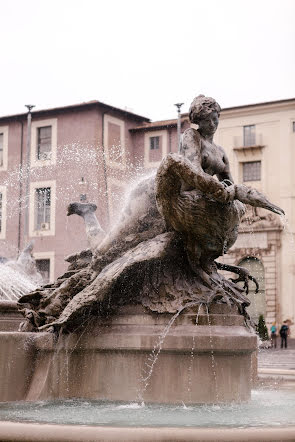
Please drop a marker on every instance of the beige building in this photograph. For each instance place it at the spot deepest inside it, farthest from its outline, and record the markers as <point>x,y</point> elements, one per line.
<point>260,142</point>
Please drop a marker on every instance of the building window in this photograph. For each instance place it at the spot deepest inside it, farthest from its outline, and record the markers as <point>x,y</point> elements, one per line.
<point>154,143</point>
<point>44,143</point>
<point>252,171</point>
<point>293,126</point>
<point>42,208</point>
<point>43,266</point>
<point>249,135</point>
<point>1,150</point>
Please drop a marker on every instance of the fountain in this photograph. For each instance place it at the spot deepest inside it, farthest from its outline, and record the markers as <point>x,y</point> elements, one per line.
<point>143,315</point>
<point>17,278</point>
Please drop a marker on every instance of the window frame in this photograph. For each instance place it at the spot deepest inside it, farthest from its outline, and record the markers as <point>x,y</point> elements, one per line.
<point>252,141</point>
<point>39,143</point>
<point>36,125</point>
<point>243,171</point>
<point>157,147</point>
<point>121,123</point>
<point>32,225</point>
<point>149,134</point>
<point>41,204</point>
<point>51,257</point>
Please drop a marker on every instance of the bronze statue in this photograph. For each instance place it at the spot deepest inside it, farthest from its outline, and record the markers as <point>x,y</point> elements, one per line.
<point>162,252</point>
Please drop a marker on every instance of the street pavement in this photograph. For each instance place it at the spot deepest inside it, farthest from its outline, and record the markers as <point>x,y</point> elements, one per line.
<point>277,359</point>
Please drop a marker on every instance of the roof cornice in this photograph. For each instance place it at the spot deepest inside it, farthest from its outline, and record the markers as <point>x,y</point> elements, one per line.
<point>74,108</point>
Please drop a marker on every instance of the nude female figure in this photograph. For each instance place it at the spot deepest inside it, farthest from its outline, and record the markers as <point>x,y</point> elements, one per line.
<point>192,201</point>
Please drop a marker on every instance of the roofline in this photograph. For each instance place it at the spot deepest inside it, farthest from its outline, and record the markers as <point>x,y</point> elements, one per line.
<point>151,126</point>
<point>247,106</point>
<point>264,103</point>
<point>157,124</point>
<point>74,107</point>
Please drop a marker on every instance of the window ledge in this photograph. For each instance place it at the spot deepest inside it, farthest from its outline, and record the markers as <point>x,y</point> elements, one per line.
<point>249,148</point>
<point>40,232</point>
<point>42,163</point>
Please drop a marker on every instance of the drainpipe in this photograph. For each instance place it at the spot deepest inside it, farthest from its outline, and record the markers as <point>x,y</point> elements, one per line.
<point>28,170</point>
<point>20,188</point>
<point>105,168</point>
<point>169,139</point>
<point>178,105</point>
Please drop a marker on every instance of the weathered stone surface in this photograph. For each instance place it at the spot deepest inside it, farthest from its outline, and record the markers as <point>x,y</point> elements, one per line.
<point>110,359</point>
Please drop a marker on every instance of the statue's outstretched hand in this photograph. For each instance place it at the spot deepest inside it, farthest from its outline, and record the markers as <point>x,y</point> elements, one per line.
<point>250,196</point>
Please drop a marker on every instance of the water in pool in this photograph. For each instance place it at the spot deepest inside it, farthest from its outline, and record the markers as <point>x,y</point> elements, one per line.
<point>266,408</point>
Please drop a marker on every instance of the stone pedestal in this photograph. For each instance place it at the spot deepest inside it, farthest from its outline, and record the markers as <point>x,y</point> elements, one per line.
<point>205,363</point>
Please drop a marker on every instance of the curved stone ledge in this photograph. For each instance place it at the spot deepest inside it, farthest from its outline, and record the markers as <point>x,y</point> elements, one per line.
<point>19,432</point>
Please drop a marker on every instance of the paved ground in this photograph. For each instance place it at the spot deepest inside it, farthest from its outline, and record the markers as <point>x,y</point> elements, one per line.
<point>280,359</point>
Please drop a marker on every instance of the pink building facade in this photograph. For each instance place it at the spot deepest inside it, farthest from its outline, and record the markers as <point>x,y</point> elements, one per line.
<point>77,153</point>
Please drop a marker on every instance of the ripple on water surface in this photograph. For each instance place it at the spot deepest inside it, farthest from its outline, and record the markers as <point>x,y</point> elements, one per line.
<point>266,408</point>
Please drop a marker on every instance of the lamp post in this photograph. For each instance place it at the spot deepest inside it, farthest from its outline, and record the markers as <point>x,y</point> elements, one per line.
<point>178,105</point>
<point>28,168</point>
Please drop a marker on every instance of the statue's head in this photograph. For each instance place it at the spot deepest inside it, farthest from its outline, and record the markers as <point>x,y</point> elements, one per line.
<point>205,112</point>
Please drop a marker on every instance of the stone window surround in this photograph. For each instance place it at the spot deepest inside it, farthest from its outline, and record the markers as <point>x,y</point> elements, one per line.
<point>34,141</point>
<point>33,186</point>
<point>246,157</point>
<point>154,143</point>
<point>51,257</point>
<point>249,135</point>
<point>3,190</point>
<point>147,136</point>
<point>270,260</point>
<point>4,131</point>
<point>121,123</point>
<point>252,171</point>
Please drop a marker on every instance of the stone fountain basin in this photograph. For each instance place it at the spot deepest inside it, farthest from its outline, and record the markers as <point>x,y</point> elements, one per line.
<point>197,364</point>
<point>104,361</point>
<point>16,432</point>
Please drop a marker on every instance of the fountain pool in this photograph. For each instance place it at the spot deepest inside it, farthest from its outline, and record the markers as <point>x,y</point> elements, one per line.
<point>267,408</point>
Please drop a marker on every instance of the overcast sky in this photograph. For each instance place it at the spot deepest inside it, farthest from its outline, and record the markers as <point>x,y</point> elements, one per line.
<point>145,55</point>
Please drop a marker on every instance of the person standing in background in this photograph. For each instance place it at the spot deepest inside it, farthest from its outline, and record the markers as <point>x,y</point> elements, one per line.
<point>273,335</point>
<point>284,334</point>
